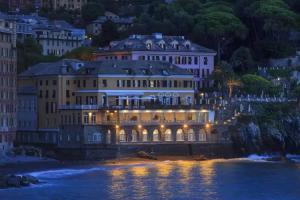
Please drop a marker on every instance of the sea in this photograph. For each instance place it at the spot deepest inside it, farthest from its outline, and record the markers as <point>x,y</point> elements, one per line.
<point>251,178</point>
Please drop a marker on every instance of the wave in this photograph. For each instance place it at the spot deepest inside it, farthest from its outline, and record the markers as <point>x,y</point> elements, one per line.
<point>294,157</point>
<point>52,174</point>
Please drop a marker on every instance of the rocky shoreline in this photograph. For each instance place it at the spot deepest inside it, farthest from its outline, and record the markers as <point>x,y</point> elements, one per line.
<point>17,181</point>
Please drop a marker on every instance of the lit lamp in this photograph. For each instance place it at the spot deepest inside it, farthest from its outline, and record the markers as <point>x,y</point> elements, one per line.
<point>185,126</point>
<point>140,126</point>
<point>117,126</point>
<point>162,126</point>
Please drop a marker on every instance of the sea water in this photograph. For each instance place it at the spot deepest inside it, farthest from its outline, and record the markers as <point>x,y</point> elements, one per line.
<point>251,178</point>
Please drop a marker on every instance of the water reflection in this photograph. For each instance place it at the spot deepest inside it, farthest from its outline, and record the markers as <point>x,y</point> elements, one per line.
<point>118,189</point>
<point>185,168</point>
<point>207,171</point>
<point>164,169</point>
<point>136,182</point>
<point>139,171</point>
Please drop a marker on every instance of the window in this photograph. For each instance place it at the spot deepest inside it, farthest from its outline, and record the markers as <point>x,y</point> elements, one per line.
<point>205,60</point>
<point>94,83</point>
<point>179,135</point>
<point>122,135</point>
<point>196,60</point>
<point>108,137</point>
<point>168,135</point>
<point>67,93</point>
<point>191,135</point>
<point>85,118</point>
<point>104,83</point>
<point>202,135</point>
<point>155,135</point>
<point>93,118</point>
<point>144,83</point>
<point>54,94</point>
<point>145,135</point>
<point>133,136</point>
<point>128,83</point>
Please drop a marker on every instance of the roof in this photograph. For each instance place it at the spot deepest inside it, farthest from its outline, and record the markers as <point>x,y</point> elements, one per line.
<point>107,67</point>
<point>171,43</point>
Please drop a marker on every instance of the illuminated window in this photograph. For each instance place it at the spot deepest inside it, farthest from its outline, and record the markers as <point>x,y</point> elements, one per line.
<point>155,135</point>
<point>145,135</point>
<point>179,135</point>
<point>168,135</point>
<point>122,135</point>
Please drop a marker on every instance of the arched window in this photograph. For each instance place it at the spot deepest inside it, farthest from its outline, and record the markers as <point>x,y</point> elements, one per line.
<point>133,136</point>
<point>191,135</point>
<point>202,135</point>
<point>145,135</point>
<point>122,135</point>
<point>179,135</point>
<point>155,135</point>
<point>168,135</point>
<point>108,137</point>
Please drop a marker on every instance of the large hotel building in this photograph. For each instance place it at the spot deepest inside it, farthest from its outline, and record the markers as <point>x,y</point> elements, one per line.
<point>8,70</point>
<point>176,50</point>
<point>108,105</point>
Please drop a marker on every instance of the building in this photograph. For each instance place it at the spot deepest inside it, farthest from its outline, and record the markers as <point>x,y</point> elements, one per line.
<point>106,104</point>
<point>58,37</point>
<point>8,70</point>
<point>157,47</point>
<point>123,23</point>
<point>64,4</point>
<point>19,5</point>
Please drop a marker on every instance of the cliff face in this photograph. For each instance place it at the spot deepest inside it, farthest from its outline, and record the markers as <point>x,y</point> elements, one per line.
<point>258,136</point>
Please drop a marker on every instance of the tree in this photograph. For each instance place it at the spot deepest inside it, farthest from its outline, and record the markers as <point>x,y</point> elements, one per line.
<point>81,53</point>
<point>218,22</point>
<point>91,11</point>
<point>30,53</point>
<point>296,93</point>
<point>109,33</point>
<point>242,60</point>
<point>253,84</point>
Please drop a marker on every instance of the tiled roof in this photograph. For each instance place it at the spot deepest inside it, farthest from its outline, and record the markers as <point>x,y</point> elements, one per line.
<point>107,67</point>
<point>139,43</point>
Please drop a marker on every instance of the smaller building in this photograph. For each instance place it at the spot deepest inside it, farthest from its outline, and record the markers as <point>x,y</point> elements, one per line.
<point>63,4</point>
<point>123,23</point>
<point>58,37</point>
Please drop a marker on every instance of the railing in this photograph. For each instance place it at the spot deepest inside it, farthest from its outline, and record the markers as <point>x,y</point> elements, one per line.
<point>153,122</point>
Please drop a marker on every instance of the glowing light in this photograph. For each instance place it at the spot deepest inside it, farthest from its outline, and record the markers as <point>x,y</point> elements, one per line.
<point>90,114</point>
<point>207,126</point>
<point>140,126</point>
<point>117,173</point>
<point>117,126</point>
<point>164,169</point>
<point>107,111</point>
<point>185,126</point>
<point>162,126</point>
<point>139,171</point>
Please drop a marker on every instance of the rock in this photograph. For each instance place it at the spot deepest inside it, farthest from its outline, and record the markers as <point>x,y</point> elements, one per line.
<point>3,182</point>
<point>14,181</point>
<point>143,154</point>
<point>24,181</point>
<point>31,179</point>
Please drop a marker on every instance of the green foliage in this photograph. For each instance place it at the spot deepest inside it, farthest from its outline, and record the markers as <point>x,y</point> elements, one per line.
<point>30,53</point>
<point>253,84</point>
<point>91,11</point>
<point>273,49</point>
<point>242,60</point>
<point>81,53</point>
<point>109,33</point>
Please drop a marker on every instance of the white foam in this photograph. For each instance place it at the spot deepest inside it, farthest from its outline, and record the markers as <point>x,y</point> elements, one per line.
<point>294,157</point>
<point>52,174</point>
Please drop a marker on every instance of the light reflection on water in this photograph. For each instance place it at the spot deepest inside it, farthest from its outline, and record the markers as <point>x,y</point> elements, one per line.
<point>141,180</point>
